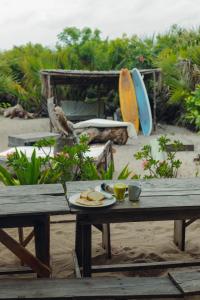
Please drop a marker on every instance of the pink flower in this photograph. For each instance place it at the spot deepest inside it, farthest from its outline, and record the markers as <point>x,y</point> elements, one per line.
<point>145,164</point>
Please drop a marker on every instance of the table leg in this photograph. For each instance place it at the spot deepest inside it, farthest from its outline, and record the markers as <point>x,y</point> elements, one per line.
<point>78,241</point>
<point>86,249</point>
<point>42,239</point>
<point>179,234</point>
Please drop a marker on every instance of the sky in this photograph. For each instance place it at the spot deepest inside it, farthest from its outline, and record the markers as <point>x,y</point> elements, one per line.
<point>40,21</point>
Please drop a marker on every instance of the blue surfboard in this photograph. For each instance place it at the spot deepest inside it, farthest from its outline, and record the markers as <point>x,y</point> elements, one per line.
<point>143,102</point>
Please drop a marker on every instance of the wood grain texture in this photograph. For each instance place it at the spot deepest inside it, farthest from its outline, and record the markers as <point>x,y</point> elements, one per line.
<point>104,288</point>
<point>187,282</point>
<point>33,204</point>
<point>24,190</point>
<point>28,139</point>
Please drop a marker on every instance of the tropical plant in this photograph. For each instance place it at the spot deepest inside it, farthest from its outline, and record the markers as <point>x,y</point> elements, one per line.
<point>69,165</point>
<point>167,168</point>
<point>192,105</point>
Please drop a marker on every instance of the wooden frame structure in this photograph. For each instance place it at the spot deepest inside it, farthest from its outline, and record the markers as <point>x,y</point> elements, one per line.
<point>52,78</point>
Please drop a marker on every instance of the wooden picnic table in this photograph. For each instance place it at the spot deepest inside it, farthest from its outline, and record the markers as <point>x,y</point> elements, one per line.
<point>161,200</point>
<point>30,206</point>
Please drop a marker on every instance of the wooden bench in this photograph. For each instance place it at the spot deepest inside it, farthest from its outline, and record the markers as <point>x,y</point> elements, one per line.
<point>177,285</point>
<point>28,139</point>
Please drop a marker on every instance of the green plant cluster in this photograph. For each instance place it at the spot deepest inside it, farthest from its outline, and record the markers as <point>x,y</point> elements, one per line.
<point>167,168</point>
<point>71,164</point>
<point>192,105</point>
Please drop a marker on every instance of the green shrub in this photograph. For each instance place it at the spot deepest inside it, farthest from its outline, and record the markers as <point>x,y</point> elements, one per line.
<point>167,168</point>
<point>192,104</point>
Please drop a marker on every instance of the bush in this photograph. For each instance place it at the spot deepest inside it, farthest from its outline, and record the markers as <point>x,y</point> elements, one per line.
<point>192,105</point>
<point>167,168</point>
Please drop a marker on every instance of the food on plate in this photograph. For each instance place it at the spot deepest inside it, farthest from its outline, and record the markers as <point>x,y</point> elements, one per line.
<point>91,198</point>
<point>84,194</point>
<point>95,196</point>
<point>86,202</point>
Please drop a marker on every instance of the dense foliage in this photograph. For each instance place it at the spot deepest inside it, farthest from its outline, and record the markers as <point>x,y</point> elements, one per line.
<point>177,52</point>
<point>71,164</point>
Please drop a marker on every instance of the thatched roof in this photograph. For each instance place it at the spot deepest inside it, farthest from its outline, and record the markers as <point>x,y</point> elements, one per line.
<point>83,77</point>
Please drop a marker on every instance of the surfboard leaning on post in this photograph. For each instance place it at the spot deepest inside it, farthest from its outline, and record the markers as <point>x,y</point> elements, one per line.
<point>127,96</point>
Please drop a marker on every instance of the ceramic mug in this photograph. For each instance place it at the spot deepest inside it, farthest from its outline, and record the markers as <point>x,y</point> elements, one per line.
<point>134,192</point>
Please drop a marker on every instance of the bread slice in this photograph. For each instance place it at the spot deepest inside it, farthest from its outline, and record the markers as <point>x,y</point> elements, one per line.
<point>90,203</point>
<point>84,194</point>
<point>95,196</point>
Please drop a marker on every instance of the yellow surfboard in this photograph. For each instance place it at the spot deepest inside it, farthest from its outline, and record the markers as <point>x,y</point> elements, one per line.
<point>128,101</point>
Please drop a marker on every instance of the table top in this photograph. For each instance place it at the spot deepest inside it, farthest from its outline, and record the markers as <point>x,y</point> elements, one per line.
<point>43,199</point>
<point>157,195</point>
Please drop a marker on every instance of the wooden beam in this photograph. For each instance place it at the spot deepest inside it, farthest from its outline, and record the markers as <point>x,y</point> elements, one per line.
<point>170,148</point>
<point>179,234</point>
<point>144,266</point>
<point>23,254</point>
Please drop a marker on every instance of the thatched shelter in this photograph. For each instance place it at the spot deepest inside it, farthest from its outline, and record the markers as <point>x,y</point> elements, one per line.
<point>52,78</point>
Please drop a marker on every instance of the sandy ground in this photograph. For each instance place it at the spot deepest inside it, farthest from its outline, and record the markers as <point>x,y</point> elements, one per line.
<point>131,242</point>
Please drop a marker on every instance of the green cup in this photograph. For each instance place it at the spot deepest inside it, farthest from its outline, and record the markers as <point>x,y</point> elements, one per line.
<point>119,191</point>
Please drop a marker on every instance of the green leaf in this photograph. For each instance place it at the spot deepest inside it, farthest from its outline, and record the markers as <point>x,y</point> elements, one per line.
<point>6,177</point>
<point>124,174</point>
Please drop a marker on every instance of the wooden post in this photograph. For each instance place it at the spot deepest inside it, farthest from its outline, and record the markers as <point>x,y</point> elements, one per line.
<point>21,239</point>
<point>42,240</point>
<point>106,240</point>
<point>154,102</point>
<point>86,249</point>
<point>78,241</point>
<point>49,94</point>
<point>179,234</point>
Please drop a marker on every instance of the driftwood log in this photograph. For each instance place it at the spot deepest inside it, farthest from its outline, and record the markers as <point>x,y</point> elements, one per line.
<point>117,135</point>
<point>69,135</point>
<point>17,111</point>
<point>61,125</point>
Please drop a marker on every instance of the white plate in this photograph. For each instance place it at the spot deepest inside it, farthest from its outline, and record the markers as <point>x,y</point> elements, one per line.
<point>107,202</point>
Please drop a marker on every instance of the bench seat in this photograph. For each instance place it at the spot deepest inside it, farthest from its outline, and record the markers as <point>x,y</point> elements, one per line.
<point>101,288</point>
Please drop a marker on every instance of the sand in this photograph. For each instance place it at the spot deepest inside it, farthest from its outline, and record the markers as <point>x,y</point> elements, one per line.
<point>131,242</point>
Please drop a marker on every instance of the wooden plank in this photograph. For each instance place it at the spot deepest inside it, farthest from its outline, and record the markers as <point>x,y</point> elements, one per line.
<point>33,204</point>
<point>28,139</point>
<point>144,266</point>
<point>101,288</point>
<point>188,147</point>
<point>16,270</point>
<point>152,204</point>
<point>187,282</point>
<point>113,216</point>
<point>24,190</point>
<point>149,187</point>
<point>179,234</point>
<point>23,254</point>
